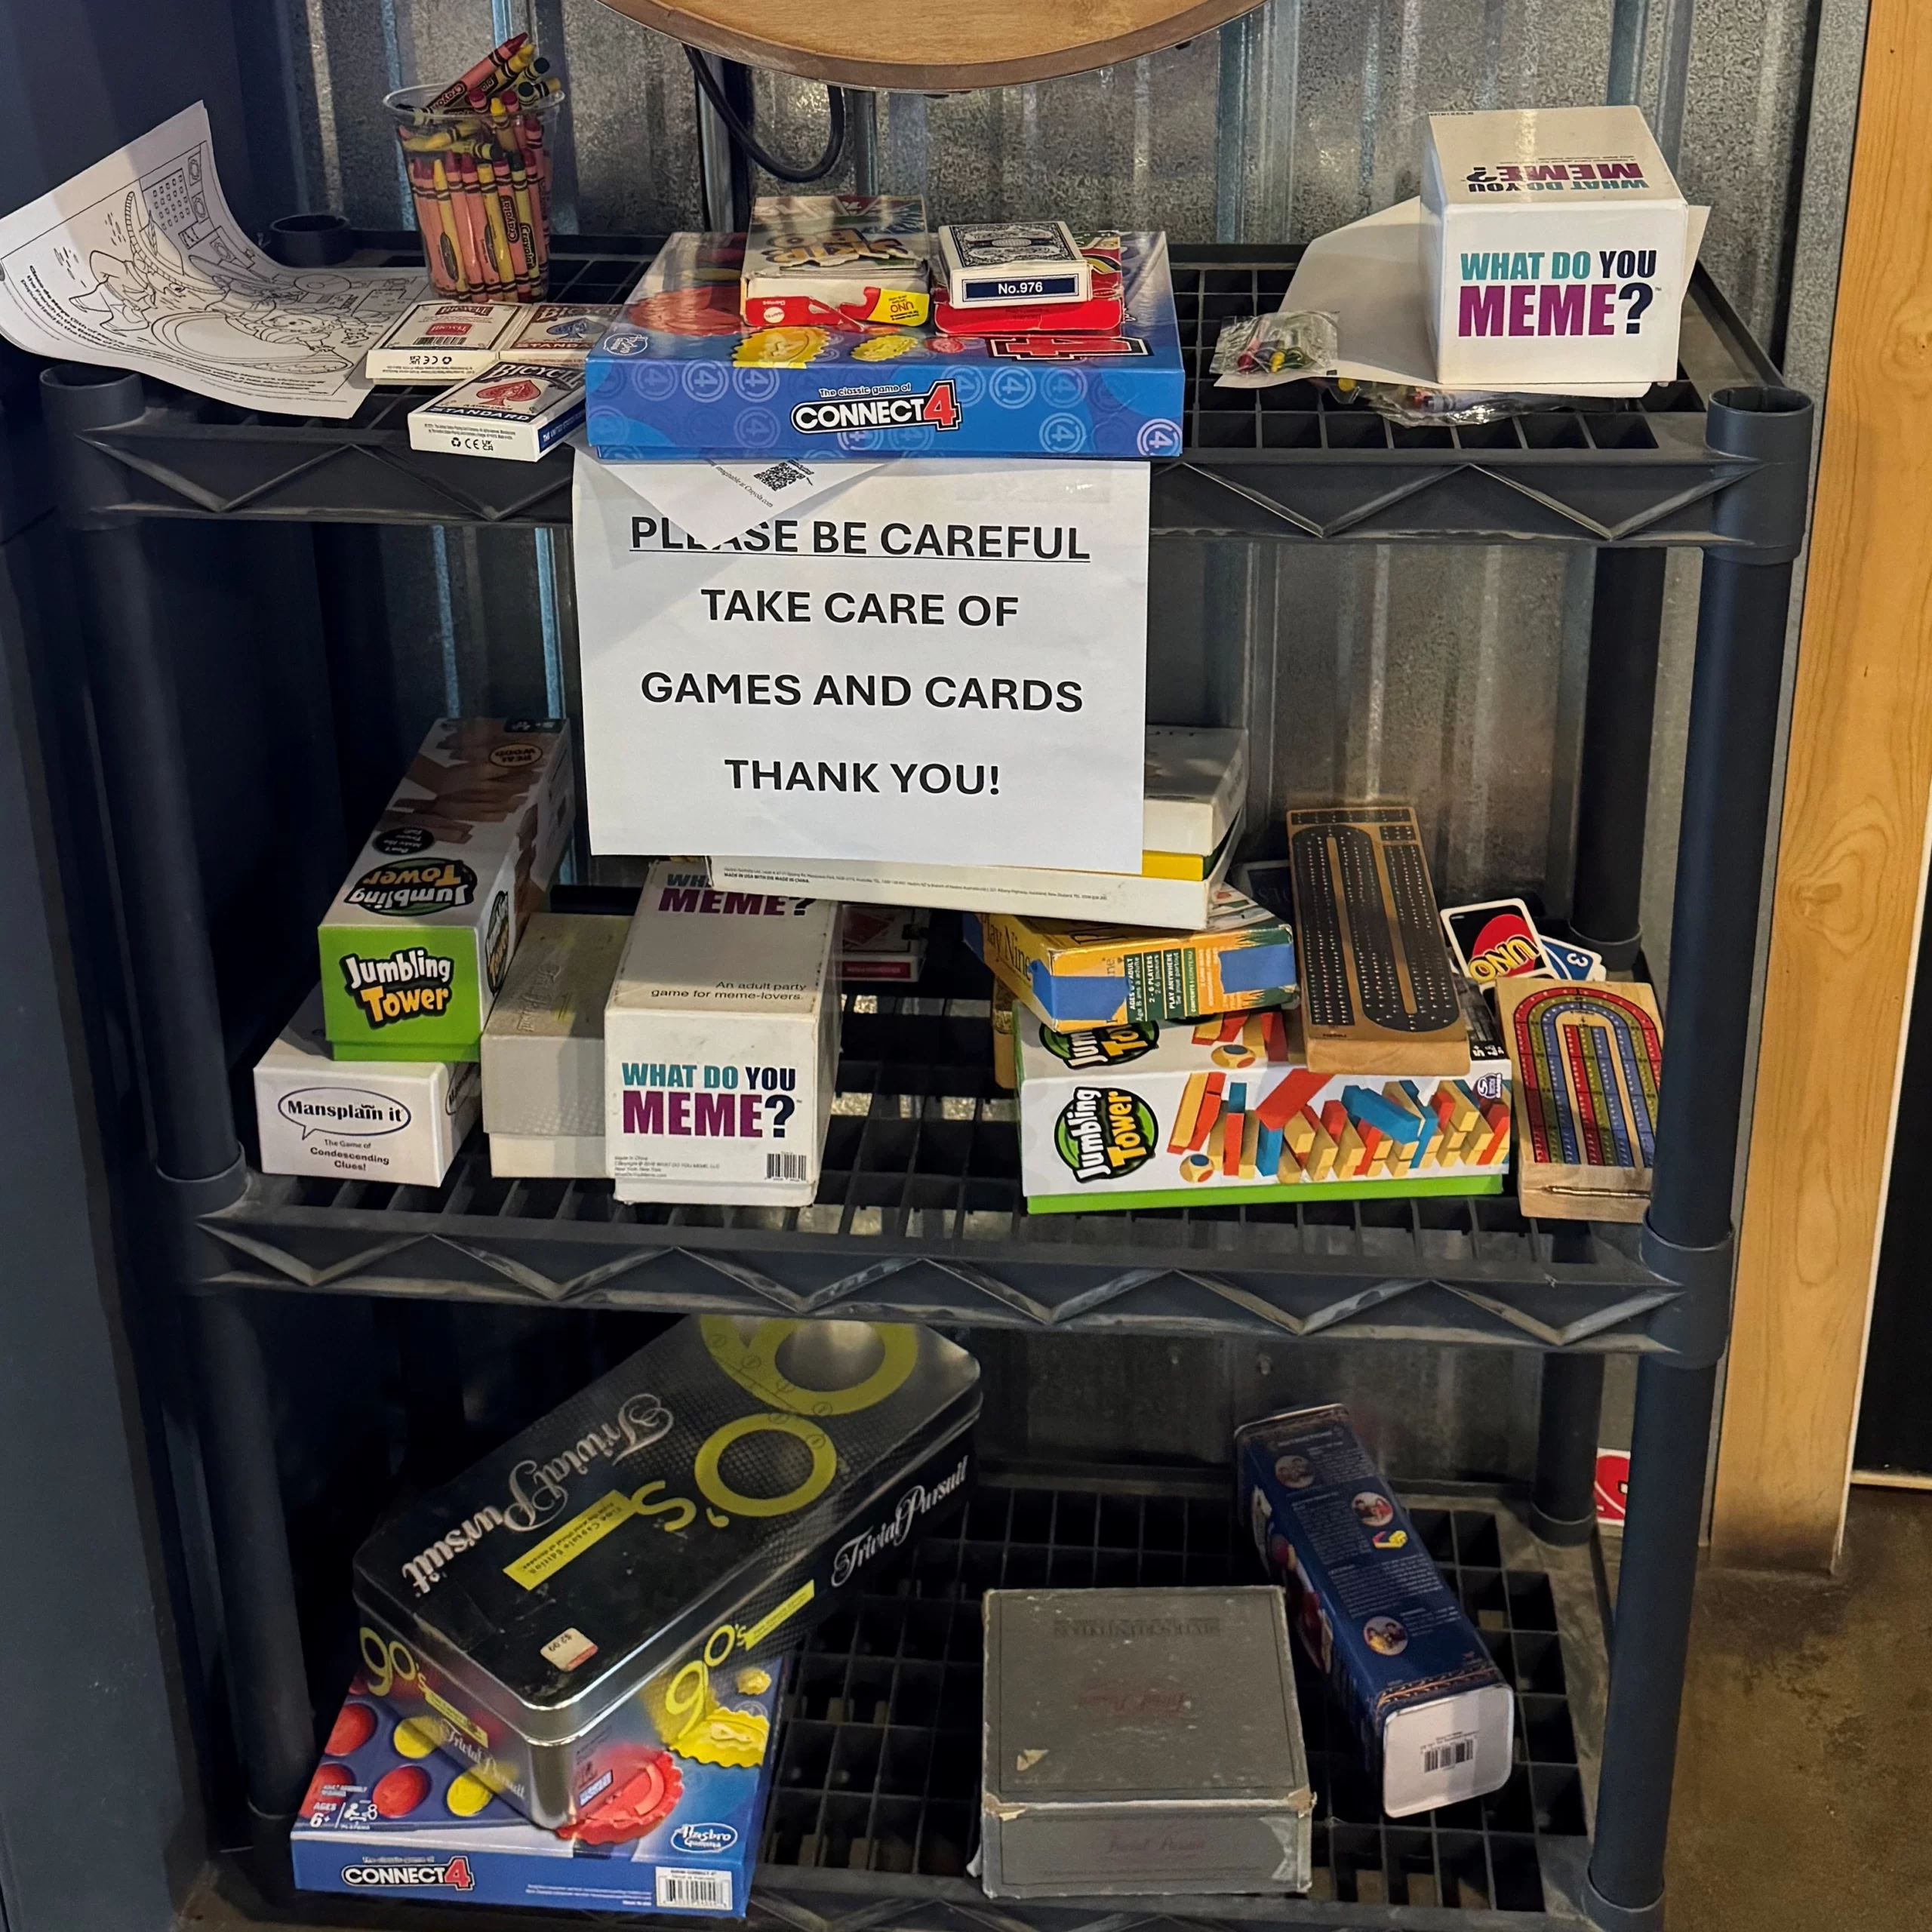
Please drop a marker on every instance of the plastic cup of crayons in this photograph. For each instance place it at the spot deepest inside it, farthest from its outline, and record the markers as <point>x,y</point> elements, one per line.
<point>479,175</point>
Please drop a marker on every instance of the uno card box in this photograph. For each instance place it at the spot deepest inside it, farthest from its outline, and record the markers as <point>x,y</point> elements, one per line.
<point>416,944</point>
<point>1556,248</point>
<point>441,341</point>
<point>1141,1742</point>
<point>1073,975</point>
<point>1374,1615</point>
<point>680,374</point>
<point>882,944</point>
<point>543,1047</point>
<point>514,410</point>
<point>401,1122</point>
<point>846,262</point>
<point>583,1600</point>
<point>390,1814</point>
<point>1155,1116</point>
<point>720,1045</point>
<point>1588,1061</point>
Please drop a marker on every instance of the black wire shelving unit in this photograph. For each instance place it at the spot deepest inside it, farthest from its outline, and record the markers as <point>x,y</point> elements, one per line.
<point>920,1217</point>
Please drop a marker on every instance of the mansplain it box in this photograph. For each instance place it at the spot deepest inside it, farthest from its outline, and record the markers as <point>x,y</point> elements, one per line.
<point>543,1047</point>
<point>1557,248</point>
<point>415,945</point>
<point>389,1813</point>
<point>1373,1613</point>
<point>721,1044</point>
<point>1177,1116</point>
<point>400,1121</point>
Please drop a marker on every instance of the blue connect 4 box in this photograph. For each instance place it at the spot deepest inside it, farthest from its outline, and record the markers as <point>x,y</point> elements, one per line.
<point>388,1813</point>
<point>679,375</point>
<point>1373,1611</point>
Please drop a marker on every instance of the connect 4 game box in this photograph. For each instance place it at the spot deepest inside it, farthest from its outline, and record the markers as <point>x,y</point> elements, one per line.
<point>682,373</point>
<point>1227,1108</point>
<point>388,1813</point>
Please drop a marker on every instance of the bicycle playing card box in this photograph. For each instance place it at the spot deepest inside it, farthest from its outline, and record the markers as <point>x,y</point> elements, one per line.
<point>682,373</point>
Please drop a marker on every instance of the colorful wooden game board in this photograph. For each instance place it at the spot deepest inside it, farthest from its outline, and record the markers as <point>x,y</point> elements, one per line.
<point>1587,1060</point>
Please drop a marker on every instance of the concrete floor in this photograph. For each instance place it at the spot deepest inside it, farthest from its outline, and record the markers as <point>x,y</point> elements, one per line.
<point>1804,1760</point>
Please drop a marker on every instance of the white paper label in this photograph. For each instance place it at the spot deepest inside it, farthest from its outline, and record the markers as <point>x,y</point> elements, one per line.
<point>944,665</point>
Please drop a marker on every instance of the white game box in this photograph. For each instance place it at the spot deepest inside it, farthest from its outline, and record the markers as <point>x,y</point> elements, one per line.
<point>397,1121</point>
<point>1557,248</point>
<point>721,1044</point>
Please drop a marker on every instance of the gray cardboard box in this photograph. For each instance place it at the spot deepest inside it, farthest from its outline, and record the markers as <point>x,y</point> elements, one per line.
<point>1141,1741</point>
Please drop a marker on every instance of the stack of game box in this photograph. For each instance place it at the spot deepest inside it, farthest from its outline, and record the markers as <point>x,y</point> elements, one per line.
<point>1315,1038</point>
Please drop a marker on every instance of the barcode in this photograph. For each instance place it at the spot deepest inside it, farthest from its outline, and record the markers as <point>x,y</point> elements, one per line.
<point>707,1891</point>
<point>783,475</point>
<point>1451,1751</point>
<point>785,1167</point>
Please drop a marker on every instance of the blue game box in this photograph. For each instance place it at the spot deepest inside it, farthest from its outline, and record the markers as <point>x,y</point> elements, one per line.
<point>1373,1611</point>
<point>679,374</point>
<point>388,1813</point>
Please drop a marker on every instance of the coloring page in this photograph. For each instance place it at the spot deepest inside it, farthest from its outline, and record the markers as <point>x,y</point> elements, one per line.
<point>136,263</point>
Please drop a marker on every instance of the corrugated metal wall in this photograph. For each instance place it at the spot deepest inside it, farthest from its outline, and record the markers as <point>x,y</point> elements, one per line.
<point>1453,677</point>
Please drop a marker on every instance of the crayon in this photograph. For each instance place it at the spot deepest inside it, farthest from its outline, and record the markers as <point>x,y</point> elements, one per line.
<point>438,243</point>
<point>495,62</point>
<point>501,213</point>
<point>447,212</point>
<point>469,228</point>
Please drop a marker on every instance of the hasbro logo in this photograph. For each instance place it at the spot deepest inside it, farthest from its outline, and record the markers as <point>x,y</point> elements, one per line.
<point>707,1840</point>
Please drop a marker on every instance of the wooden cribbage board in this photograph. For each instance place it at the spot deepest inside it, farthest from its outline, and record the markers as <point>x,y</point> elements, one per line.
<point>1586,1061</point>
<point>1379,991</point>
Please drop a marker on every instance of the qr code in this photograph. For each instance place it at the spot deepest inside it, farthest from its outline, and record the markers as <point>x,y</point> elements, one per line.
<point>785,1167</point>
<point>783,475</point>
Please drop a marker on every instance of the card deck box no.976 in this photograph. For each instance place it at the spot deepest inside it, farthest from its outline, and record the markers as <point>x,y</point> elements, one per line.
<point>563,1606</point>
<point>1429,1703</point>
<point>1140,1742</point>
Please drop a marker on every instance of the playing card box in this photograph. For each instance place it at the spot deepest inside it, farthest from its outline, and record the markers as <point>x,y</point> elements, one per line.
<point>516,411</point>
<point>1012,264</point>
<point>442,342</point>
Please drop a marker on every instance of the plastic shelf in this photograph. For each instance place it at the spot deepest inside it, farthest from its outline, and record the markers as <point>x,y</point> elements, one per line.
<point>1289,462</point>
<point>920,1217</point>
<point>876,1791</point>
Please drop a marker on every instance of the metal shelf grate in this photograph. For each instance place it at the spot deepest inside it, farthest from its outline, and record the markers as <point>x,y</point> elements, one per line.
<point>919,1216</point>
<point>1289,462</point>
<point>878,1763</point>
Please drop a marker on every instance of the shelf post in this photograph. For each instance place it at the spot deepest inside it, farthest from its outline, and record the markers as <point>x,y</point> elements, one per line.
<point>198,1165</point>
<point>1687,1236</point>
<point>1563,1504</point>
<point>1614,784</point>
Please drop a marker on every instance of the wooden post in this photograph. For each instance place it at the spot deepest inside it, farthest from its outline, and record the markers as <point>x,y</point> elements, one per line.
<point>1851,859</point>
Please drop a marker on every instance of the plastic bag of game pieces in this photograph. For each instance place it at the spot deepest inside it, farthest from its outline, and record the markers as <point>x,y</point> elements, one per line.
<point>1256,352</point>
<point>1415,406</point>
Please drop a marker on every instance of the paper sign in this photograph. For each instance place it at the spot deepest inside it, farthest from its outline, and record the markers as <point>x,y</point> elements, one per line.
<point>944,665</point>
<point>137,263</point>
<point>714,501</point>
